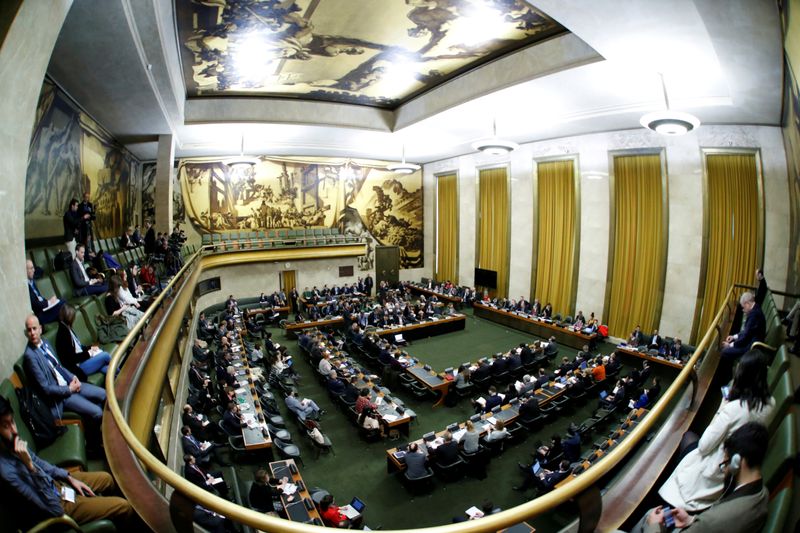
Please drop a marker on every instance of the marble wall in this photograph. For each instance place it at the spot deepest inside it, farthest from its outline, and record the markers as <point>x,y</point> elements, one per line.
<point>594,152</point>
<point>244,281</point>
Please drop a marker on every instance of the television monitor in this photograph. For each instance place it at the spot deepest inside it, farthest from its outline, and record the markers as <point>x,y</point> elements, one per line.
<point>486,278</point>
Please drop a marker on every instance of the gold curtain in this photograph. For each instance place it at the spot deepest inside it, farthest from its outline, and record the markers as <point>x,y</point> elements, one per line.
<point>289,283</point>
<point>447,228</point>
<point>493,225</point>
<point>555,257</point>
<point>639,257</point>
<point>732,196</point>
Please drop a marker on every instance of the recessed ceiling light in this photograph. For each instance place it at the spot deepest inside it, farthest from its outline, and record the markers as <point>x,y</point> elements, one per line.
<point>669,122</point>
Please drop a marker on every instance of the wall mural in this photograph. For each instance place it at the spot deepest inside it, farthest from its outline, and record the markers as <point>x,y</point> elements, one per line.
<point>358,197</point>
<point>790,15</point>
<point>378,53</point>
<point>69,154</point>
<point>148,191</point>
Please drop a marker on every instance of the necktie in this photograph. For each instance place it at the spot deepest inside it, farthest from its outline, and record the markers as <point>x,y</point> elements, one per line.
<point>35,290</point>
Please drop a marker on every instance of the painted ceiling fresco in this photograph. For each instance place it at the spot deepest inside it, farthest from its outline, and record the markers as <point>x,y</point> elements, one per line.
<point>372,52</point>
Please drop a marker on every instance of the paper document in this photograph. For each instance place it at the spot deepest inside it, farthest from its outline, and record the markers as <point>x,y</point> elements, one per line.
<point>458,435</point>
<point>492,420</point>
<point>473,513</point>
<point>389,418</point>
<point>289,488</point>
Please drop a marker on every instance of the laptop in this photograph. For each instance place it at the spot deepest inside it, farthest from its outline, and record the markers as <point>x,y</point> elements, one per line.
<point>536,467</point>
<point>603,394</point>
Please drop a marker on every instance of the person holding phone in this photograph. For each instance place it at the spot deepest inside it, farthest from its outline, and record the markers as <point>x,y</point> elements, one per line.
<point>697,482</point>
<point>38,490</point>
<point>744,504</point>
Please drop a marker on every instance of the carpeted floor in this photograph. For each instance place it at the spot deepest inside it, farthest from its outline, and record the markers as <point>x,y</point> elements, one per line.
<point>360,469</point>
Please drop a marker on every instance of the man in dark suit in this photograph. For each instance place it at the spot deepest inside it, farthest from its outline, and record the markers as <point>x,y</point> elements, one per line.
<point>499,364</point>
<point>368,284</point>
<point>335,385</point>
<point>492,401</point>
<point>83,284</point>
<point>72,222</point>
<point>525,354</point>
<point>447,452</point>
<point>149,238</point>
<point>232,419</point>
<point>755,328</point>
<point>529,410</point>
<point>210,481</point>
<point>87,215</point>
<point>545,480</point>
<point>202,451</point>
<point>45,309</point>
<point>60,388</point>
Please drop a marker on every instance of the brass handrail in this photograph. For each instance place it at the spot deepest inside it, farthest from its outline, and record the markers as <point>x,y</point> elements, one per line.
<point>492,522</point>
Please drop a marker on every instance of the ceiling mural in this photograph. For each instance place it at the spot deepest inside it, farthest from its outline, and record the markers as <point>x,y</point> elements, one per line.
<point>371,52</point>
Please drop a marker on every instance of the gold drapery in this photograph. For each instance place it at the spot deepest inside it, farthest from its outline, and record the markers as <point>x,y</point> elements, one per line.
<point>639,256</point>
<point>447,228</point>
<point>289,283</point>
<point>493,225</point>
<point>555,257</point>
<point>732,204</point>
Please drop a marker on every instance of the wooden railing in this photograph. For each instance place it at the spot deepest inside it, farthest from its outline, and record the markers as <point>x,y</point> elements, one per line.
<point>584,486</point>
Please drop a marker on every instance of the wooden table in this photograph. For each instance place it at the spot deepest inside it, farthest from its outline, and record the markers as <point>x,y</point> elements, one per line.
<point>565,336</point>
<point>437,384</point>
<point>422,290</point>
<point>428,328</point>
<point>627,350</point>
<point>508,414</point>
<point>293,328</point>
<point>255,438</point>
<point>282,311</point>
<point>299,506</point>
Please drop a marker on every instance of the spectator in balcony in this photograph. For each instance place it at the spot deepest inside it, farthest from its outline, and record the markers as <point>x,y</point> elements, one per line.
<point>45,309</point>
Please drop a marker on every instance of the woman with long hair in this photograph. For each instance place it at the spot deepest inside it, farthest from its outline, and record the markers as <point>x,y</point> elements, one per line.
<point>697,482</point>
<point>116,307</point>
<point>76,357</point>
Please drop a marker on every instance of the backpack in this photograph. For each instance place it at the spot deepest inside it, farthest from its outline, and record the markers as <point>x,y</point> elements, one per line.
<point>37,416</point>
<point>110,329</point>
<point>62,260</point>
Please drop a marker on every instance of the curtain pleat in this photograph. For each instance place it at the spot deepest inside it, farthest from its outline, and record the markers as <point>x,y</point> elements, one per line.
<point>638,244</point>
<point>733,228</point>
<point>289,283</point>
<point>556,233</point>
<point>493,225</point>
<point>447,228</point>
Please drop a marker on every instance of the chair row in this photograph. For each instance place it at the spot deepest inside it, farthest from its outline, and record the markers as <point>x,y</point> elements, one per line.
<point>277,238</point>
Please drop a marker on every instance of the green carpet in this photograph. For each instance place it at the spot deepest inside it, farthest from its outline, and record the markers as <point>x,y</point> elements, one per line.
<point>359,469</point>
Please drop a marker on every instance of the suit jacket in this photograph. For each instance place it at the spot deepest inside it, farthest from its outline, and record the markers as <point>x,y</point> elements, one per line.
<point>755,329</point>
<point>69,355</point>
<point>78,279</point>
<point>529,410</point>
<point>415,465</point>
<point>72,223</point>
<point>447,453</point>
<point>231,422</point>
<point>492,402</point>
<point>39,371</point>
<point>38,301</point>
<point>150,241</point>
<point>192,446</point>
<point>552,479</point>
<point>196,475</point>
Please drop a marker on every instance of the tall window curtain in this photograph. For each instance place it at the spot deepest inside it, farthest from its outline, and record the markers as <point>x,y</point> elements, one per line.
<point>447,228</point>
<point>732,196</point>
<point>493,225</point>
<point>555,258</point>
<point>289,283</point>
<point>638,265</point>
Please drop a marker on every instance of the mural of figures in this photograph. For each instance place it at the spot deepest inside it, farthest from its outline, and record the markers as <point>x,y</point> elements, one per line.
<point>358,197</point>
<point>790,15</point>
<point>71,154</point>
<point>148,191</point>
<point>372,52</point>
<point>178,208</point>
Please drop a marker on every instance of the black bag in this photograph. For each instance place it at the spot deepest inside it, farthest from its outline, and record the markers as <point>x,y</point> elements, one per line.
<point>37,416</point>
<point>62,260</point>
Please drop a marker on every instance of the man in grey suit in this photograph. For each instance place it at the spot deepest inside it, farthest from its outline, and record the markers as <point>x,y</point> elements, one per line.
<point>415,462</point>
<point>84,285</point>
<point>59,387</point>
<point>744,504</point>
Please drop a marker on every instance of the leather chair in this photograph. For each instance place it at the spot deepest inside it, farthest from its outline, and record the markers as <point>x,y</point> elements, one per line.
<point>418,485</point>
<point>450,472</point>
<point>287,450</point>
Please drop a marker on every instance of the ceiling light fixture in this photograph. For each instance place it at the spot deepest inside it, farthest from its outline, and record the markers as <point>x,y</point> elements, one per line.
<point>669,122</point>
<point>495,145</point>
<point>403,167</point>
<point>242,162</point>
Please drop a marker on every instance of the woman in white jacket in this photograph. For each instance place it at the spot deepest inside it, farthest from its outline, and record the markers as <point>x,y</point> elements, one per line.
<point>697,482</point>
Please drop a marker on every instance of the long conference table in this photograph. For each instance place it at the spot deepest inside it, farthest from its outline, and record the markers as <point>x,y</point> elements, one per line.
<point>427,328</point>
<point>299,506</point>
<point>657,359</point>
<point>294,328</point>
<point>255,435</point>
<point>446,297</point>
<point>507,413</point>
<point>540,328</point>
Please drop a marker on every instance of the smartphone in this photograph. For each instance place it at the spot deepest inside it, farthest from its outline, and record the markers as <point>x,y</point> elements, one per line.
<point>669,520</point>
<point>725,392</point>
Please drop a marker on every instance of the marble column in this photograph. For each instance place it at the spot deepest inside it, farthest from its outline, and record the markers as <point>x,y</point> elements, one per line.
<point>24,56</point>
<point>163,194</point>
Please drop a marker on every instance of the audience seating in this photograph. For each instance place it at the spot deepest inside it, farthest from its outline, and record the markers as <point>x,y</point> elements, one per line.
<point>277,238</point>
<point>68,451</point>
